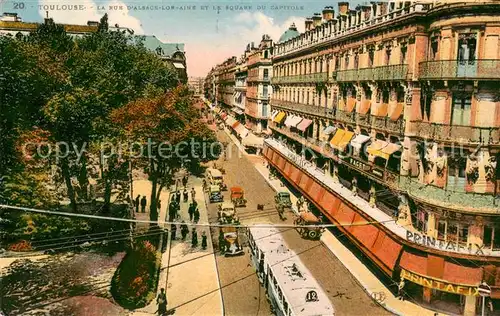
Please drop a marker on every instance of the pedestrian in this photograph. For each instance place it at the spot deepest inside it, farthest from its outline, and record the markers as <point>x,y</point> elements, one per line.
<point>185,181</point>
<point>172,211</point>
<point>137,201</point>
<point>174,231</point>
<point>184,230</point>
<point>193,193</point>
<point>161,301</point>
<point>222,242</point>
<point>128,200</point>
<point>143,204</point>
<point>204,240</point>
<point>194,238</point>
<point>204,185</point>
<point>196,215</point>
<point>158,204</point>
<point>401,285</point>
<point>185,195</point>
<point>178,197</point>
<point>191,211</point>
<point>490,307</point>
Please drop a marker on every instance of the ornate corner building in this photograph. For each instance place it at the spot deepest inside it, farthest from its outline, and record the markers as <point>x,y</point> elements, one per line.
<point>387,118</point>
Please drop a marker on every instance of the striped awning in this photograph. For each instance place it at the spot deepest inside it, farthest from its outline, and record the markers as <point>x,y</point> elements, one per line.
<point>358,141</point>
<point>382,149</point>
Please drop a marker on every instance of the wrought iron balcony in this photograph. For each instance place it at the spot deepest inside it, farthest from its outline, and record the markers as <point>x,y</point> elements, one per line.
<point>299,107</point>
<point>456,133</point>
<point>308,78</point>
<point>456,69</point>
<point>386,124</point>
<point>383,73</point>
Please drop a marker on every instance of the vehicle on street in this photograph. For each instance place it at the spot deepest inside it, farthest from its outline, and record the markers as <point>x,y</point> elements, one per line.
<point>227,213</point>
<point>283,198</point>
<point>231,242</point>
<point>214,177</point>
<point>215,194</point>
<point>308,219</point>
<point>238,196</point>
<point>289,285</point>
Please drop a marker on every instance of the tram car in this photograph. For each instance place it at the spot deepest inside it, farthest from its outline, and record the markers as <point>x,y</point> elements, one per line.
<point>290,287</point>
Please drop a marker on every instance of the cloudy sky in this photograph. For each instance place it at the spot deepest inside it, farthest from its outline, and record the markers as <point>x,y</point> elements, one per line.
<point>211,30</point>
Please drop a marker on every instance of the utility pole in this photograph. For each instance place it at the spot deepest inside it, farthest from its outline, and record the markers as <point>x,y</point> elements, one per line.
<point>132,206</point>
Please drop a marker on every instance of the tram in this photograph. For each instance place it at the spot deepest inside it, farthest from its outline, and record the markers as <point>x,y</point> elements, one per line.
<point>289,285</point>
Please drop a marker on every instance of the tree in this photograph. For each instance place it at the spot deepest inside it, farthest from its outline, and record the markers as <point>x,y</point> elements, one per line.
<point>163,124</point>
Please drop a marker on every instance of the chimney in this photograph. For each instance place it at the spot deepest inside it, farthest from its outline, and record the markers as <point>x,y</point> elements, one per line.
<point>343,8</point>
<point>367,10</point>
<point>352,18</point>
<point>316,19</point>
<point>328,13</point>
<point>308,24</point>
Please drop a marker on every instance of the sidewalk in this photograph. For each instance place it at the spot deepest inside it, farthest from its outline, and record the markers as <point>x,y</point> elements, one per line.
<point>363,275</point>
<point>193,283</point>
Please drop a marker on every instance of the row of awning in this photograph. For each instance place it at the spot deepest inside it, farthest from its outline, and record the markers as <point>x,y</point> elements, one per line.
<point>291,120</point>
<point>248,139</point>
<point>342,138</point>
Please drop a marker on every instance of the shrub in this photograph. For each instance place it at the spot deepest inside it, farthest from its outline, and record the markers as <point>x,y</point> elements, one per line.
<point>136,277</point>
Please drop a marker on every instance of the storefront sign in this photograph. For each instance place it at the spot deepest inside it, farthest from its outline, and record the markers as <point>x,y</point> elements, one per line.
<point>301,162</point>
<point>424,240</point>
<point>359,164</point>
<point>312,296</point>
<point>439,285</point>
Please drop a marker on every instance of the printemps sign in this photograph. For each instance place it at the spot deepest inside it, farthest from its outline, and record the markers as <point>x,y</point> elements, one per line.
<point>439,285</point>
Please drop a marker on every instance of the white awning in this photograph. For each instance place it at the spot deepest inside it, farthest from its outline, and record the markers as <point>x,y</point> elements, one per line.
<point>230,120</point>
<point>295,121</point>
<point>253,141</point>
<point>329,130</point>
<point>289,119</point>
<point>273,115</point>
<point>358,141</point>
<point>179,65</point>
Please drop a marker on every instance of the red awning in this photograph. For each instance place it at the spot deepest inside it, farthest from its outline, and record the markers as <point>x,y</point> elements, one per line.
<point>413,263</point>
<point>304,124</point>
<point>459,274</point>
<point>386,249</point>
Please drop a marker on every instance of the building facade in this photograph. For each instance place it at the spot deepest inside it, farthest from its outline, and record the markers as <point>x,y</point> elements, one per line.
<point>387,117</point>
<point>259,89</point>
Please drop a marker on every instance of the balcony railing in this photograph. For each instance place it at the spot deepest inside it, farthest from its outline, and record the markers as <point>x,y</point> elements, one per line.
<point>453,69</point>
<point>386,124</point>
<point>383,73</point>
<point>308,78</point>
<point>456,133</point>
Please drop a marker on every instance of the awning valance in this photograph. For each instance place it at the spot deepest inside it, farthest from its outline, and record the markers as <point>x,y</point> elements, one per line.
<point>304,124</point>
<point>279,118</point>
<point>253,141</point>
<point>329,130</point>
<point>358,141</point>
<point>341,138</point>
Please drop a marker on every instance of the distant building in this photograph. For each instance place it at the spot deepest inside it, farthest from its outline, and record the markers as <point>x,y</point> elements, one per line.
<point>172,53</point>
<point>196,84</point>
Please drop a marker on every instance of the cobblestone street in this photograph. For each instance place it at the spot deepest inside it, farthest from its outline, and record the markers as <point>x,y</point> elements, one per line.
<point>241,292</point>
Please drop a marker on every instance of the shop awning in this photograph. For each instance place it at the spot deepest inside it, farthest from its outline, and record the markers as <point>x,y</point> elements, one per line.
<point>230,120</point>
<point>288,120</point>
<point>237,110</point>
<point>253,141</point>
<point>279,118</point>
<point>329,130</point>
<point>223,115</point>
<point>396,113</point>
<point>296,120</point>
<point>341,138</point>
<point>413,263</point>
<point>358,141</point>
<point>241,130</point>
<point>304,124</point>
<point>235,124</point>
<point>382,149</point>
<point>273,114</point>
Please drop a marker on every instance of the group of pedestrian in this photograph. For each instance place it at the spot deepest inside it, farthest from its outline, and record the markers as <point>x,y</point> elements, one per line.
<point>194,235</point>
<point>140,202</point>
<point>194,212</point>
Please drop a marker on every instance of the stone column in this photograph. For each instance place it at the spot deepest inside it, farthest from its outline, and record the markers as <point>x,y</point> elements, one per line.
<point>373,196</point>
<point>335,175</point>
<point>404,213</point>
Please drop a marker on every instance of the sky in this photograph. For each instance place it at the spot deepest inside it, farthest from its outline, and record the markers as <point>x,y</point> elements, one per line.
<point>212,31</point>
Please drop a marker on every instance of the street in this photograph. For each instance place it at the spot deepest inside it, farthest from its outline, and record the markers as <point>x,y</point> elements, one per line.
<point>241,292</point>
